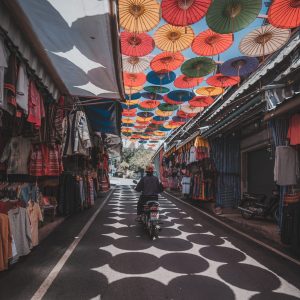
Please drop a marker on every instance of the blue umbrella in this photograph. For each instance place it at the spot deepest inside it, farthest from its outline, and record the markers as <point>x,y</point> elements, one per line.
<point>160,78</point>
<point>133,96</point>
<point>239,66</point>
<point>158,118</point>
<point>143,142</point>
<point>181,95</point>
<point>145,114</point>
<point>162,128</point>
<point>127,125</point>
<point>124,105</point>
<point>152,96</point>
<point>178,119</point>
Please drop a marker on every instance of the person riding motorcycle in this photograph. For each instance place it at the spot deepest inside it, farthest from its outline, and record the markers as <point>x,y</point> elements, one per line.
<point>150,187</point>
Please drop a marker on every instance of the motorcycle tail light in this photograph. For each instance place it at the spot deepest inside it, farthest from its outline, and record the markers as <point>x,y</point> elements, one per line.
<point>154,208</point>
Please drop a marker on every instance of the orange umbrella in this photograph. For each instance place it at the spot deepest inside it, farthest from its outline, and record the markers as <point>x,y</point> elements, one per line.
<point>223,81</point>
<point>185,115</point>
<point>126,130</point>
<point>185,82</point>
<point>284,13</point>
<point>129,112</point>
<point>128,121</point>
<point>210,43</point>
<point>201,101</point>
<point>129,90</point>
<point>149,104</point>
<point>159,133</point>
<point>173,38</point>
<point>134,79</point>
<point>172,125</point>
<point>168,61</point>
<point>144,119</point>
<point>163,113</point>
<point>210,91</point>
<point>133,44</point>
<point>138,15</point>
<point>132,102</point>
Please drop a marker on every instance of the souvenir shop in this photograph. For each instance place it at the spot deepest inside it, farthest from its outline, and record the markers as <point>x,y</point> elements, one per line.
<point>51,162</point>
<point>189,169</point>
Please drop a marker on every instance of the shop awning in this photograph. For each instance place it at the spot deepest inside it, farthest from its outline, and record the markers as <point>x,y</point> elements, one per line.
<point>81,39</point>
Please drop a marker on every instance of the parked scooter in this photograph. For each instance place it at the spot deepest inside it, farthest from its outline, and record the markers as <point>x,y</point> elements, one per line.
<point>253,205</point>
<point>150,218</point>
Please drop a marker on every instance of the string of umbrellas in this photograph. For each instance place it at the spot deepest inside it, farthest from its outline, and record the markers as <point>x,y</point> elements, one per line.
<point>165,90</point>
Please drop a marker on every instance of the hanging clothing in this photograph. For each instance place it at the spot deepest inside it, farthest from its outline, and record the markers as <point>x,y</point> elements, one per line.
<point>17,153</point>
<point>3,65</point>
<point>21,230</point>
<point>286,168</point>
<point>5,242</point>
<point>294,130</point>
<point>186,185</point>
<point>10,80</point>
<point>35,216</point>
<point>192,155</point>
<point>76,136</point>
<point>22,89</point>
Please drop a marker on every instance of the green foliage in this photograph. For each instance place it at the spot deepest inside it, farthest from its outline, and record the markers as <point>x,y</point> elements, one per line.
<point>137,159</point>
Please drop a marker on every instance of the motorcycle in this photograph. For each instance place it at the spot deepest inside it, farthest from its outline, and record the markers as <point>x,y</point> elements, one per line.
<point>254,205</point>
<point>150,218</point>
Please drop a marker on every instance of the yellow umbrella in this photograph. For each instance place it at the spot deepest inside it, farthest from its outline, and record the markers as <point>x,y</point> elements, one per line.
<point>210,91</point>
<point>139,15</point>
<point>146,119</point>
<point>126,130</point>
<point>173,38</point>
<point>161,113</point>
<point>132,90</point>
<point>159,133</point>
<point>171,126</point>
<point>132,102</point>
<point>128,121</point>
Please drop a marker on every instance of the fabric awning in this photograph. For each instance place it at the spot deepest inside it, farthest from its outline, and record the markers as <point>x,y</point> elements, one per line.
<point>80,38</point>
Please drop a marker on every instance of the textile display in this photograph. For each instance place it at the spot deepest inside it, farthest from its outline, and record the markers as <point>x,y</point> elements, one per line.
<point>294,130</point>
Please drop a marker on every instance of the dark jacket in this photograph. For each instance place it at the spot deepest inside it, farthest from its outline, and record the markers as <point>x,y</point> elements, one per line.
<point>149,185</point>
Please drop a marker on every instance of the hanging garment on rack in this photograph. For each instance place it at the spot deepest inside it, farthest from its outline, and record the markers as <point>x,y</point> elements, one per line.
<point>286,168</point>
<point>35,216</point>
<point>10,80</point>
<point>22,89</point>
<point>17,153</point>
<point>3,66</point>
<point>5,242</point>
<point>186,185</point>
<point>76,136</point>
<point>192,157</point>
<point>21,230</point>
<point>294,130</point>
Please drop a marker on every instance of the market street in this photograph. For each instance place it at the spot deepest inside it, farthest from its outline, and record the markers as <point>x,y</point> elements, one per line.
<point>192,259</point>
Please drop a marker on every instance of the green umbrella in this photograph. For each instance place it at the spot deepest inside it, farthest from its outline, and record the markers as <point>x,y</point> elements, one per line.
<point>156,89</point>
<point>167,107</point>
<point>229,16</point>
<point>198,67</point>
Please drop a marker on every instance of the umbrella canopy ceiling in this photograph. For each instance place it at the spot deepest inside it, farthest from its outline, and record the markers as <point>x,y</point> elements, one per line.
<point>135,64</point>
<point>198,54</point>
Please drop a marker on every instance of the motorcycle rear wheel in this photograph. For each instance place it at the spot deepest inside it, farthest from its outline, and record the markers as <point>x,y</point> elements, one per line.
<point>246,204</point>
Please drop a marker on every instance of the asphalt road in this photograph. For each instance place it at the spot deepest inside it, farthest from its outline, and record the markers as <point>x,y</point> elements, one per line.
<point>194,258</point>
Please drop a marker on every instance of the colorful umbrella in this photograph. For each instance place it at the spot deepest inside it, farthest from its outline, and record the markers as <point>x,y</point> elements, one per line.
<point>179,120</point>
<point>198,67</point>
<point>210,91</point>
<point>239,66</point>
<point>157,118</point>
<point>167,107</point>
<point>128,121</point>
<point>264,40</point>
<point>135,64</point>
<point>184,12</point>
<point>173,38</point>
<point>187,108</point>
<point>157,122</point>
<point>152,96</point>
<point>140,126</point>
<point>170,101</point>
<point>201,101</point>
<point>223,81</point>
<point>133,96</point>
<point>284,13</point>
<point>149,104</point>
<point>185,82</point>
<point>160,78</point>
<point>167,61</point>
<point>129,112</point>
<point>132,89</point>
<point>163,128</point>
<point>160,113</point>
<point>142,122</point>
<point>185,115</point>
<point>181,95</point>
<point>134,79</point>
<point>145,115</point>
<point>172,125</point>
<point>127,125</point>
<point>126,106</point>
<point>158,133</point>
<point>210,43</point>
<point>132,102</point>
<point>126,130</point>
<point>229,16</point>
<point>138,15</point>
<point>133,44</point>
<point>156,89</point>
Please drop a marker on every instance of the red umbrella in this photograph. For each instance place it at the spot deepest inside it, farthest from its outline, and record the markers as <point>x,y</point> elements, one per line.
<point>201,101</point>
<point>133,44</point>
<point>166,61</point>
<point>185,82</point>
<point>149,104</point>
<point>184,12</point>
<point>223,81</point>
<point>140,126</point>
<point>157,122</point>
<point>210,43</point>
<point>141,122</point>
<point>170,101</point>
<point>284,13</point>
<point>184,115</point>
<point>134,79</point>
<point>129,112</point>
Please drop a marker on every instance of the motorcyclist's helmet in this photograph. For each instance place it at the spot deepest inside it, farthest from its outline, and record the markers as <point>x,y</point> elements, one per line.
<point>149,169</point>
